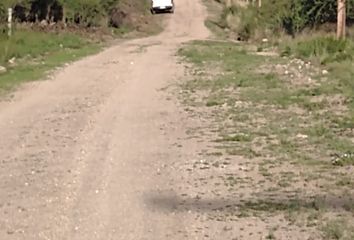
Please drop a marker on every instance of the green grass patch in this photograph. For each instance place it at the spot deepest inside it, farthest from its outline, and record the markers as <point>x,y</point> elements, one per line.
<point>335,55</point>
<point>28,43</point>
<point>269,96</point>
<point>236,138</point>
<point>324,49</point>
<point>35,53</point>
<point>338,230</point>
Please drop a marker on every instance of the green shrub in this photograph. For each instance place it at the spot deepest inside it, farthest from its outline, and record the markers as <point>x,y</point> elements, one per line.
<point>248,23</point>
<point>290,16</point>
<point>83,12</point>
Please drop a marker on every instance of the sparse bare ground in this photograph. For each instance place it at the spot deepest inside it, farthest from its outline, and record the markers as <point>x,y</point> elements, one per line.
<point>275,165</point>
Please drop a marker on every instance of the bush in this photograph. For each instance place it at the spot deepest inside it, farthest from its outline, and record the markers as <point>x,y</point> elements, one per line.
<point>83,12</point>
<point>289,16</point>
<point>248,23</point>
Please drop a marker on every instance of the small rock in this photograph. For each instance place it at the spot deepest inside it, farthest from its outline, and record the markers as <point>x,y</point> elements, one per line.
<point>278,67</point>
<point>3,69</point>
<point>286,72</point>
<point>301,136</point>
<point>12,60</point>
<point>265,40</point>
<point>324,72</point>
<point>242,168</point>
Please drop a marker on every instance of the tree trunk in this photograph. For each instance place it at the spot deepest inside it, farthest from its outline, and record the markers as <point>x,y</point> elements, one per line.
<point>9,21</point>
<point>47,15</point>
<point>341,19</point>
<point>63,20</point>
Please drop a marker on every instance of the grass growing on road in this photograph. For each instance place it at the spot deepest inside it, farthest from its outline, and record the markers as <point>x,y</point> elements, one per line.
<point>289,120</point>
<point>28,55</point>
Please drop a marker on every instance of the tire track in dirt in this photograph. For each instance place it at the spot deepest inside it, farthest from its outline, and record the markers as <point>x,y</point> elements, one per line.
<point>81,152</point>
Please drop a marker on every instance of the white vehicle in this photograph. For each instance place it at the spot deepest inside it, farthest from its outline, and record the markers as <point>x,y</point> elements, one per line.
<point>162,6</point>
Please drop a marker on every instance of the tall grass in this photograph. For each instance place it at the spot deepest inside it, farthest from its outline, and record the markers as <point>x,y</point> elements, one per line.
<point>337,56</point>
<point>321,49</point>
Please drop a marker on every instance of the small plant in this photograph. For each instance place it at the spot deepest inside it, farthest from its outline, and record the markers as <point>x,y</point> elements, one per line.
<point>236,138</point>
<point>334,229</point>
<point>343,159</point>
<point>212,103</point>
<point>286,52</point>
<point>270,236</point>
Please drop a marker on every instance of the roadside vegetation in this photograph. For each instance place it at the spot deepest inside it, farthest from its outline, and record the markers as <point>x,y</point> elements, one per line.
<point>280,119</point>
<point>282,18</point>
<point>29,55</point>
<point>48,33</point>
<point>82,13</point>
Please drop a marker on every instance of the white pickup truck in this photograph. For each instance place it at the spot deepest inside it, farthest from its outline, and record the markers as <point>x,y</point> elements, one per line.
<point>162,6</point>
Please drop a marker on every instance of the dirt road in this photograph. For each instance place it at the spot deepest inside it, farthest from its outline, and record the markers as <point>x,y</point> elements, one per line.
<point>86,155</point>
